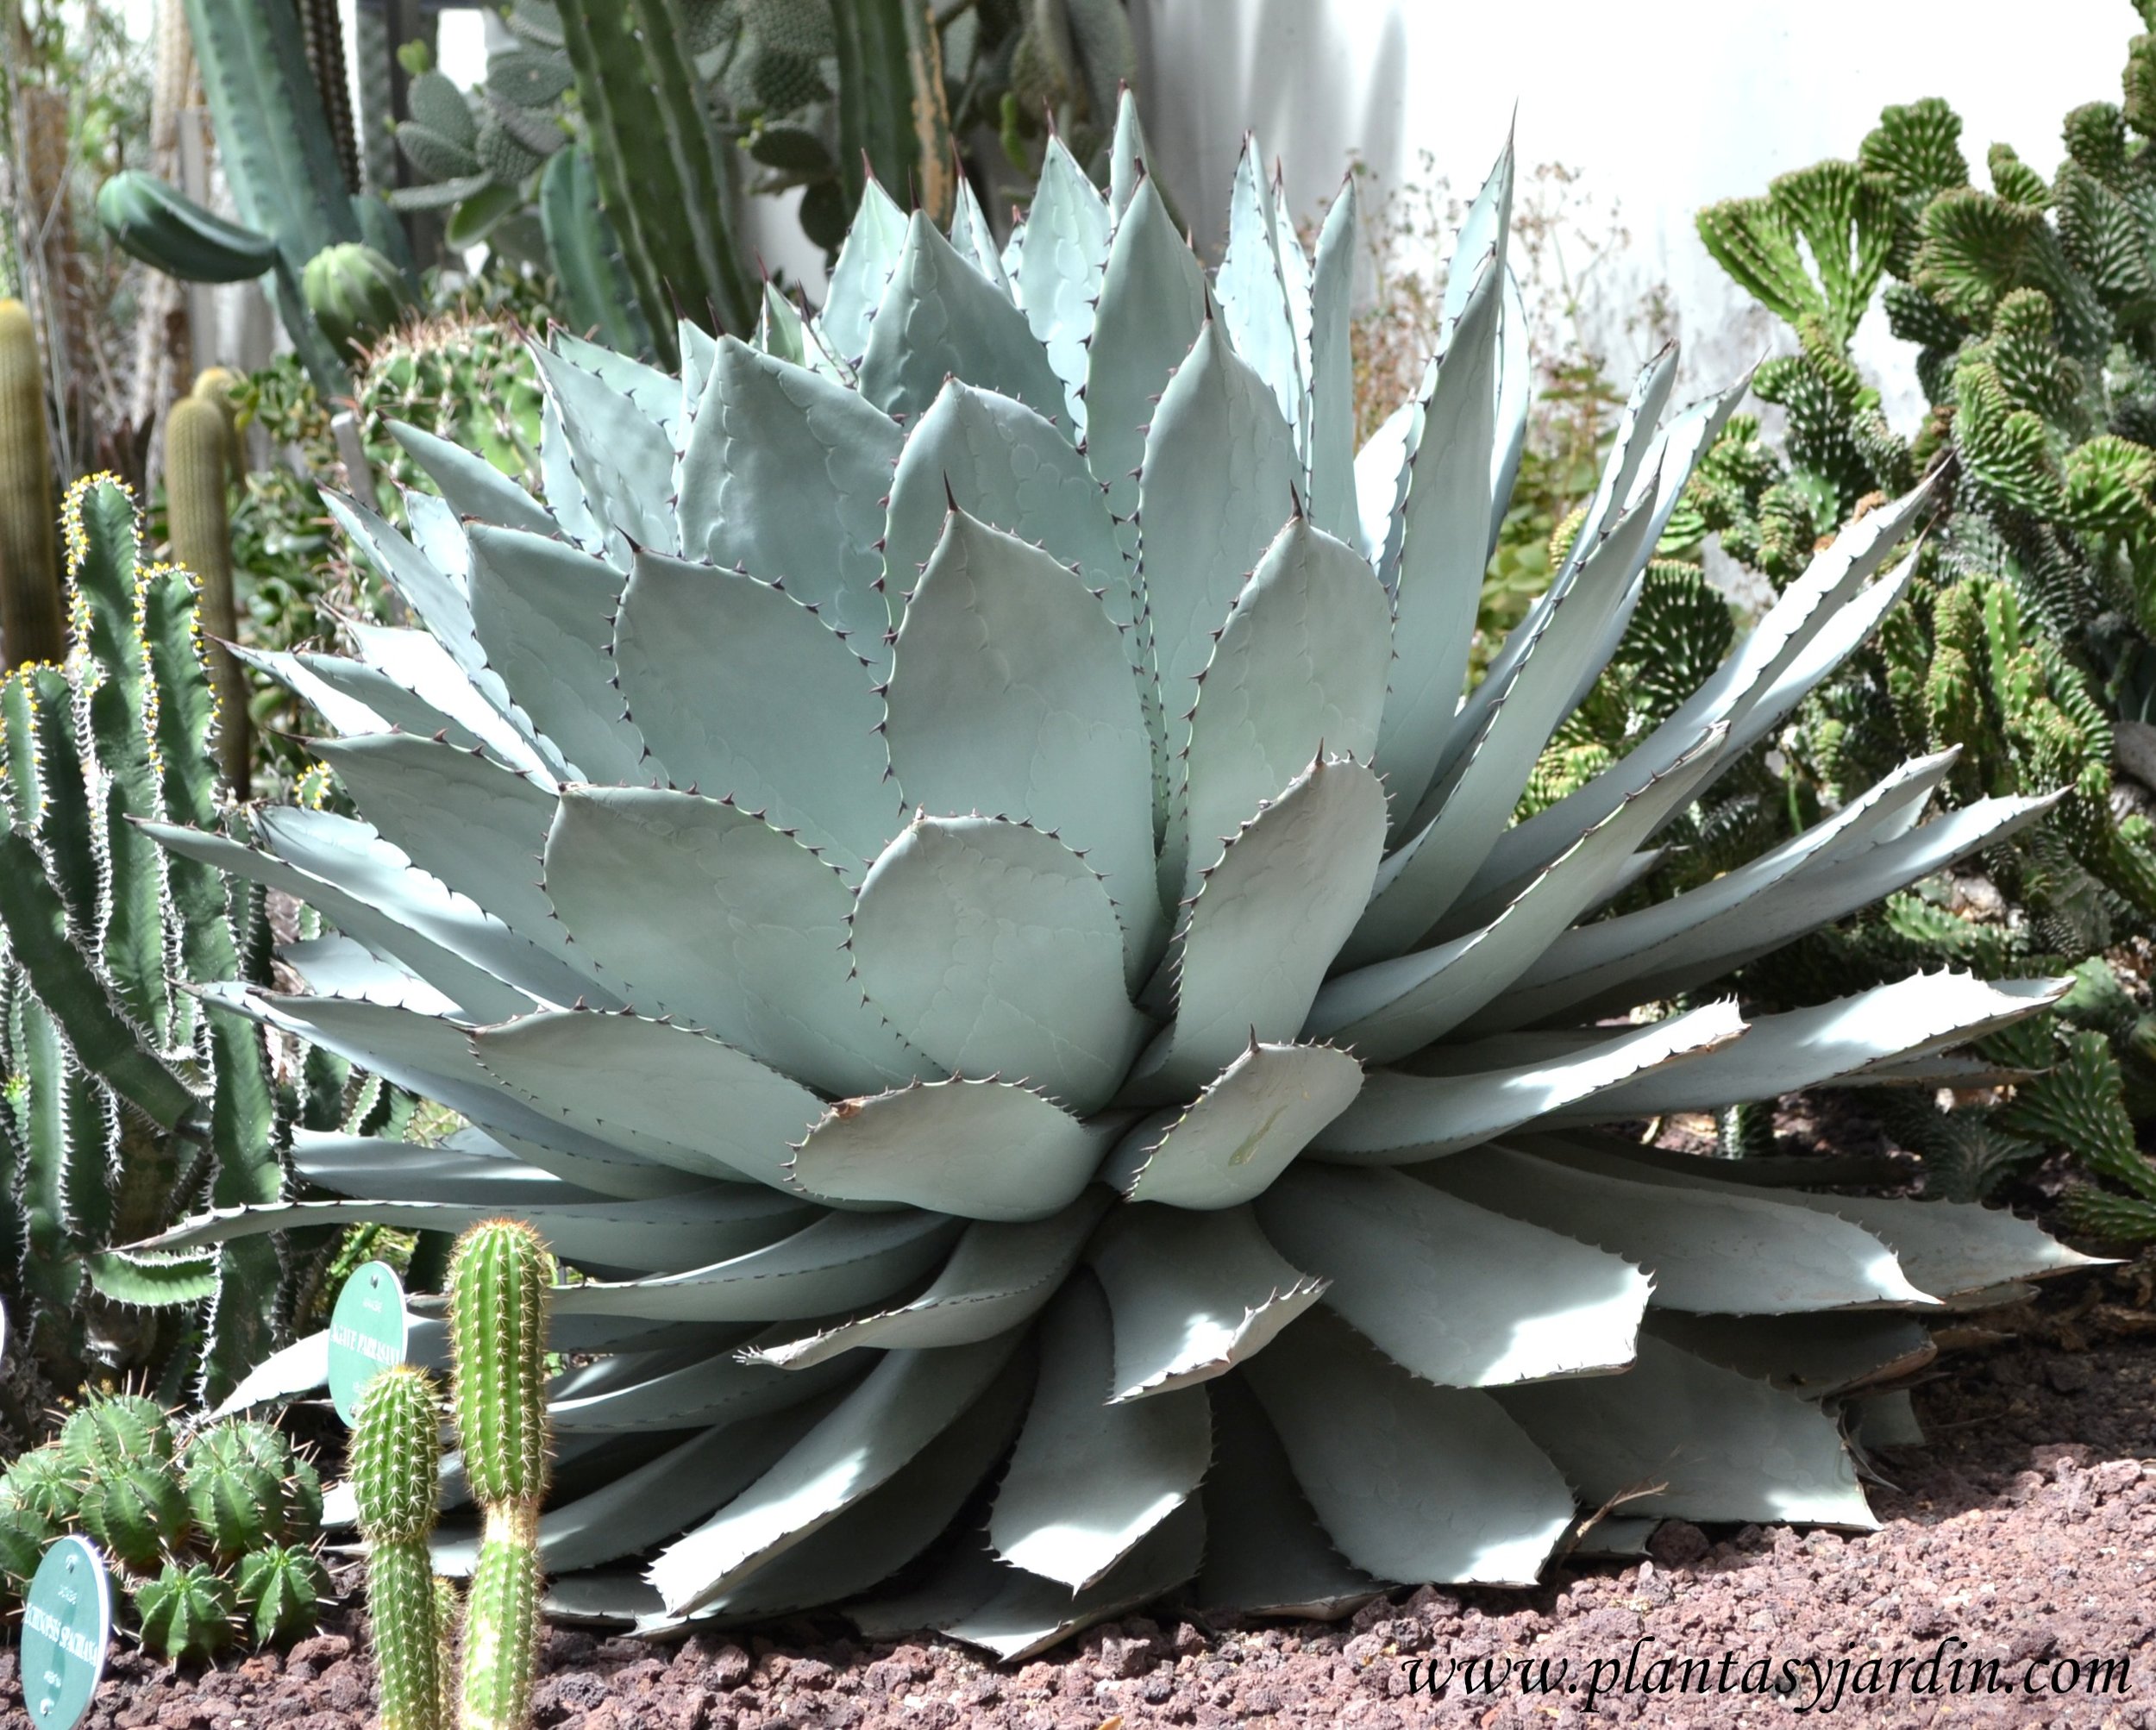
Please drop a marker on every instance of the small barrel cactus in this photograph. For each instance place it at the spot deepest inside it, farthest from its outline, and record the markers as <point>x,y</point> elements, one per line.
<point>234,1493</point>
<point>187,1611</point>
<point>396,1462</point>
<point>138,1512</point>
<point>355,293</point>
<point>109,1430</point>
<point>281,1588</point>
<point>499,1281</point>
<point>41,1482</point>
<point>24,1534</point>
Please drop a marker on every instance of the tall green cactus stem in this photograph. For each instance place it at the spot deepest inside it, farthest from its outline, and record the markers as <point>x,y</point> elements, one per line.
<point>396,1463</point>
<point>29,558</point>
<point>893,116</point>
<point>498,1282</point>
<point>197,448</point>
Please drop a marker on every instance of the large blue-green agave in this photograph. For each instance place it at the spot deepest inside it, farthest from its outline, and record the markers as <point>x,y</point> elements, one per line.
<point>947,866</point>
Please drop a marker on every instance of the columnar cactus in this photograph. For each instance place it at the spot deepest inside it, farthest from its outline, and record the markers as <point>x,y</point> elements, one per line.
<point>197,471</point>
<point>30,612</point>
<point>396,1457</point>
<point>499,1281</point>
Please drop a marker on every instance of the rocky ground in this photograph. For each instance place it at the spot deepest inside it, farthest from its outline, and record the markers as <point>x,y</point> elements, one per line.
<point>2019,1543</point>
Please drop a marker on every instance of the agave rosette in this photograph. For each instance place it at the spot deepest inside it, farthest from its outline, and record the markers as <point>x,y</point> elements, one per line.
<point>946,864</point>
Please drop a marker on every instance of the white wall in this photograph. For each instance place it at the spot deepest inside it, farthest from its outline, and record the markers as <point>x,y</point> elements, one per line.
<point>1665,104</point>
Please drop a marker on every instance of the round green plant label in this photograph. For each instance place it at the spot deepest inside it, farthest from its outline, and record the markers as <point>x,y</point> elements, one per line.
<point>67,1631</point>
<point>367,1333</point>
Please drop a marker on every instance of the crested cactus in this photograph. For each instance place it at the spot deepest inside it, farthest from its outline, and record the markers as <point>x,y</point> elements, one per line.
<point>2028,640</point>
<point>498,1281</point>
<point>395,1461</point>
<point>1031,943</point>
<point>118,1083</point>
<point>30,616</point>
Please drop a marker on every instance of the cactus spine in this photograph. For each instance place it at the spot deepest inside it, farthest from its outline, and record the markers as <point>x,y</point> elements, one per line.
<point>497,1308</point>
<point>198,438</point>
<point>29,558</point>
<point>396,1461</point>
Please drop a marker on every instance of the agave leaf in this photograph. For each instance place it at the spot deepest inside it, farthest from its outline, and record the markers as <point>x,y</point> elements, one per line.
<point>1425,875</point>
<point>1295,285</point>
<point>675,1096</point>
<point>753,949</point>
<point>1332,492</point>
<point>475,489</point>
<point>1735,1254</point>
<point>1152,307</point>
<point>1411,1482</point>
<point>1672,932</point>
<point>415,662</point>
<point>743,691</point>
<point>430,1056</point>
<point>1451,1291</point>
<point>716,1388</point>
<point>1218,478</point>
<point>1252,291</point>
<point>1089,1481</point>
<point>1486,228</point>
<point>865,259</point>
<point>1819,597</point>
<point>1704,1442</point>
<point>619,452</point>
<point>656,394</point>
<point>334,966</point>
<point>1300,667</point>
<point>1515,392</point>
<point>1391,1007</point>
<point>784,474</point>
<point>1947,1248</point>
<point>418,656</point>
<point>893,1523</point>
<point>543,610</point>
<point>1265,1552</point>
<point>477,827</point>
<point>994,949</point>
<point>1005,465</point>
<point>974,1149</point>
<point>1819,893</point>
<point>700,353</point>
<point>1016,1614</point>
<point>1230,1144</point>
<point>1490,1085</point>
<point>669,1232</point>
<point>437,535</point>
<point>940,318</point>
<point>466,1165</point>
<point>1381,489</point>
<point>842,1261</point>
<point>1443,548</point>
<point>1802,1048</point>
<point>353,698</point>
<point>972,239</point>
<point>565,492</point>
<point>418,929</point>
<point>1815,1356</point>
<point>352,857</point>
<point>1127,154</point>
<point>1059,273</point>
<point>654,1501</point>
<point>1192,1297</point>
<point>1254,943</point>
<point>287,1373</point>
<point>1048,728</point>
<point>906,1400</point>
<point>997,1278</point>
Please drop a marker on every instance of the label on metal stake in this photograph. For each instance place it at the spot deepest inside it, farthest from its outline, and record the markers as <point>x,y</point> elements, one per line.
<point>367,1334</point>
<point>66,1632</point>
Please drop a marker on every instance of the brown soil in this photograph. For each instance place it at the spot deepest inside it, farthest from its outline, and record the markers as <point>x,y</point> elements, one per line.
<point>2024,1533</point>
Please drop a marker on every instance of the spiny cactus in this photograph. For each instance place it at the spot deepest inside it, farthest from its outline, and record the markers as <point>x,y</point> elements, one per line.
<point>198,446</point>
<point>355,294</point>
<point>395,1465</point>
<point>118,1081</point>
<point>1226,1098</point>
<point>499,1281</point>
<point>30,612</point>
<point>188,1610</point>
<point>280,1589</point>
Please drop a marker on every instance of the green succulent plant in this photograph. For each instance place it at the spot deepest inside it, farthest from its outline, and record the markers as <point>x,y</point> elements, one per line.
<point>396,1461</point>
<point>187,1610</point>
<point>1030,986</point>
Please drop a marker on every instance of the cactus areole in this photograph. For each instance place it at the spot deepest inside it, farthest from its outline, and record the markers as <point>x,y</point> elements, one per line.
<point>66,1633</point>
<point>946,859</point>
<point>368,1329</point>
